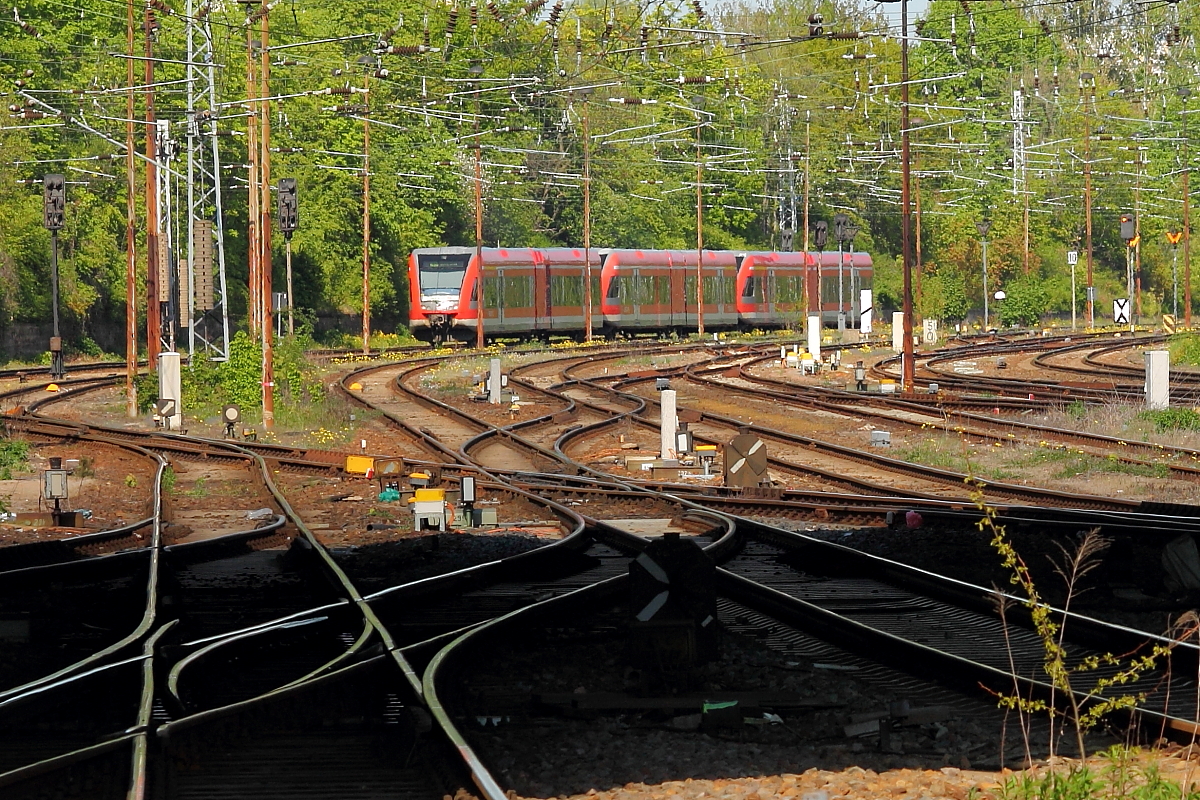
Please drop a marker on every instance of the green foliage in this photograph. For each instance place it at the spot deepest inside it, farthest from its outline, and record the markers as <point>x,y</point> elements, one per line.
<point>1025,303</point>
<point>14,455</point>
<point>1172,419</point>
<point>1184,348</point>
<point>168,479</point>
<point>1061,670</point>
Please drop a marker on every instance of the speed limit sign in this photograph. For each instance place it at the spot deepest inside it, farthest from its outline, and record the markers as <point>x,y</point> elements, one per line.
<point>1072,257</point>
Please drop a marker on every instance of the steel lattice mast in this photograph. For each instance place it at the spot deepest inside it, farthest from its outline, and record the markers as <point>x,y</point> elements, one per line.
<point>206,295</point>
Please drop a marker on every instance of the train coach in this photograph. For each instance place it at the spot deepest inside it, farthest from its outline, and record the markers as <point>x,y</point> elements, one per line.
<point>539,292</point>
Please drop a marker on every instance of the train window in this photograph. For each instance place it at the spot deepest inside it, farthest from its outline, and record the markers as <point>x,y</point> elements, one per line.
<point>751,288</point>
<point>441,274</point>
<point>829,288</point>
<point>689,289</point>
<point>491,291</point>
<point>518,291</point>
<point>614,287</point>
<point>662,290</point>
<point>595,290</point>
<point>717,289</point>
<point>566,290</point>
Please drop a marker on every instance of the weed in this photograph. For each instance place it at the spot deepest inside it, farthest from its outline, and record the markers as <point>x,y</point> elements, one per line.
<point>199,488</point>
<point>1077,409</point>
<point>1172,419</point>
<point>131,481</point>
<point>168,479</point>
<point>931,453</point>
<point>14,456</point>
<point>86,468</point>
<point>1050,627</point>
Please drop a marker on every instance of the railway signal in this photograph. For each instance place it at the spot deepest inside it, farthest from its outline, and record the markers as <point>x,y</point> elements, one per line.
<point>289,217</point>
<point>54,208</point>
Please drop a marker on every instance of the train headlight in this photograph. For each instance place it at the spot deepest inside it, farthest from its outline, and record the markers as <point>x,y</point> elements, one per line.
<point>446,304</point>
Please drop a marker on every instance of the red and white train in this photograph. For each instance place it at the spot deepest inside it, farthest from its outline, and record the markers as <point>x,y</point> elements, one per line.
<point>539,292</point>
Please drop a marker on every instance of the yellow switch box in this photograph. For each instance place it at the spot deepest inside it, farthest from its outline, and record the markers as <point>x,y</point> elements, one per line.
<point>429,495</point>
<point>359,465</point>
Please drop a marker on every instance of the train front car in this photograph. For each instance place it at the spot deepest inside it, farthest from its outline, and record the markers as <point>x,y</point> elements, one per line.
<point>436,276</point>
<point>771,289</point>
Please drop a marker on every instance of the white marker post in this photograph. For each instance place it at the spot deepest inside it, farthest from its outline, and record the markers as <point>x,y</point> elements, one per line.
<point>667,441</point>
<point>1158,379</point>
<point>868,311</point>
<point>898,331</point>
<point>814,337</point>
<point>170,387</point>
<point>494,382</point>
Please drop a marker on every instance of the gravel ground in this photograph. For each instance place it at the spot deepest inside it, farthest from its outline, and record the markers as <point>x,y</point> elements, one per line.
<point>1110,592</point>
<point>539,752</point>
<point>377,566</point>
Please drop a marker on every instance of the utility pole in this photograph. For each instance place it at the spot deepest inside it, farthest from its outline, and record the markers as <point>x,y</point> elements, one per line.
<point>1185,93</point>
<point>699,230</point>
<point>480,294</point>
<point>131,405</point>
<point>907,365</point>
<point>366,229</point>
<point>807,165</point>
<point>1087,192</point>
<point>255,321</point>
<point>587,223</point>
<point>264,207</point>
<point>153,309</point>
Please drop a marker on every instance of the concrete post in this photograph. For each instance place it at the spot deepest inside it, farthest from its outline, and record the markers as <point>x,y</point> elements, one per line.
<point>867,314</point>
<point>494,382</point>
<point>898,331</point>
<point>170,387</point>
<point>1158,379</point>
<point>668,423</point>
<point>814,337</point>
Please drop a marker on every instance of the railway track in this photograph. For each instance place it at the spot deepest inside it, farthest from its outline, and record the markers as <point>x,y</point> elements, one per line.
<point>245,695</point>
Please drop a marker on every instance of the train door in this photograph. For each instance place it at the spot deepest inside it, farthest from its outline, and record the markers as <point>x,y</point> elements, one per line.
<point>542,308</point>
<point>770,294</point>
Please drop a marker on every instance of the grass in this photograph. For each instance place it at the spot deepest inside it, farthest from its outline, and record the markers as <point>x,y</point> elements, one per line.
<point>14,456</point>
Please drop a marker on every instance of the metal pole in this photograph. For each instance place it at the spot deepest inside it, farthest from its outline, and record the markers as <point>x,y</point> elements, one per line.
<point>264,210</point>
<point>153,317</point>
<point>807,161</point>
<point>131,406</point>
<point>56,356</point>
<point>699,233</point>
<point>291,301</point>
<point>908,370</point>
<point>1129,273</point>
<point>366,289</point>
<point>1073,298</point>
<point>1187,243</point>
<point>1087,208</point>
<point>479,337</point>
<point>1175,282</point>
<point>587,226</point>
<point>254,214</point>
<point>986,315</point>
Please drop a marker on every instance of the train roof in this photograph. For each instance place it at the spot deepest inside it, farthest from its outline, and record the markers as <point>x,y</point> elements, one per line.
<point>801,259</point>
<point>831,259</point>
<point>568,255</point>
<point>491,255</point>
<point>681,258</point>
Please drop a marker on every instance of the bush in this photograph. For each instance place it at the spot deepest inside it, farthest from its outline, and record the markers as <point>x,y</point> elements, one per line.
<point>1184,348</point>
<point>13,453</point>
<point>1172,419</point>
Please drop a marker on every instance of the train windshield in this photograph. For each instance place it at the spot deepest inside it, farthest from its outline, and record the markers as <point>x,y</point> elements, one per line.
<point>441,274</point>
